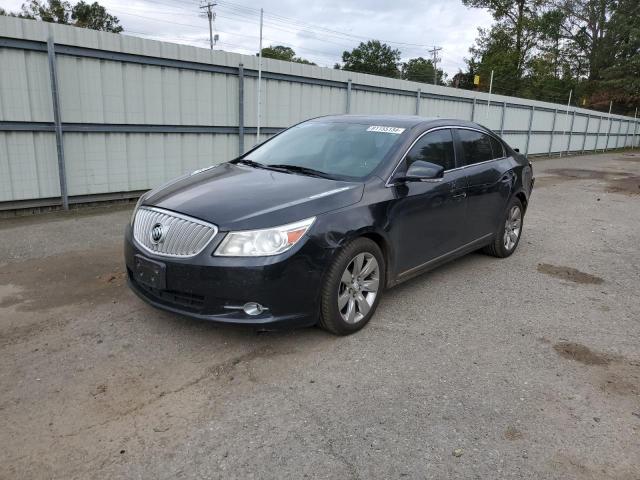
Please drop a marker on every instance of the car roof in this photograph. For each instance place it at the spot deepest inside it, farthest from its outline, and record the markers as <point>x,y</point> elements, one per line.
<point>402,121</point>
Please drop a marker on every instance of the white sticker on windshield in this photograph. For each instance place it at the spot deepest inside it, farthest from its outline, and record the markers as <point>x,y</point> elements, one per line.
<point>378,128</point>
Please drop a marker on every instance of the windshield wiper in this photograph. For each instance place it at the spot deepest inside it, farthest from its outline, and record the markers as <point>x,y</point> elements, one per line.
<point>298,169</point>
<point>251,163</point>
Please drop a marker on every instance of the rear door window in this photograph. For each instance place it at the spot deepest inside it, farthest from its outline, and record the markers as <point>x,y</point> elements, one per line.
<point>476,147</point>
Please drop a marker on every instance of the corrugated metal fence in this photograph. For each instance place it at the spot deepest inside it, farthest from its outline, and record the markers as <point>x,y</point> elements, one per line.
<point>96,115</point>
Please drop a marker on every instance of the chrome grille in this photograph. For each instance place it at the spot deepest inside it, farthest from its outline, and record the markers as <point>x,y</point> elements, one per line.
<point>181,236</point>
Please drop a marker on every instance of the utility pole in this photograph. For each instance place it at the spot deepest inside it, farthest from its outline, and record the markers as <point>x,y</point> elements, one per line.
<point>211,16</point>
<point>434,51</point>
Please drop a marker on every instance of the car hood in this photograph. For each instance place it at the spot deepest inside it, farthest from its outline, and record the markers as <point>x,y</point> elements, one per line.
<point>240,197</point>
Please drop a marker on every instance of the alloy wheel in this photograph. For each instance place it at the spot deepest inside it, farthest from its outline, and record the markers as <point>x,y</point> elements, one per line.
<point>358,287</point>
<point>512,227</point>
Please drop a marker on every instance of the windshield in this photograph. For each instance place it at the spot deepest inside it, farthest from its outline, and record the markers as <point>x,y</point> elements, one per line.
<point>336,149</point>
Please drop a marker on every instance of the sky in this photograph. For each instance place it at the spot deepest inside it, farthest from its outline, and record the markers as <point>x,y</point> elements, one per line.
<point>317,30</point>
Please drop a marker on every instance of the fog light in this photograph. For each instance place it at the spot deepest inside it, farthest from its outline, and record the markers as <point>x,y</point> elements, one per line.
<point>253,308</point>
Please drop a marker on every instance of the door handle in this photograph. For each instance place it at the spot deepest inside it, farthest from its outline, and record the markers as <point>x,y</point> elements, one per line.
<point>460,195</point>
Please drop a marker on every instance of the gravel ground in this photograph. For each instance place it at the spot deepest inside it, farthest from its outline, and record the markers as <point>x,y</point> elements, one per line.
<point>527,367</point>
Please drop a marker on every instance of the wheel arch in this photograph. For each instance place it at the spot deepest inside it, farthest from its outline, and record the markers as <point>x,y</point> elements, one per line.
<point>384,245</point>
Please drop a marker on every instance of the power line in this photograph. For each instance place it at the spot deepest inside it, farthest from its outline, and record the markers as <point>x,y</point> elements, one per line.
<point>284,19</point>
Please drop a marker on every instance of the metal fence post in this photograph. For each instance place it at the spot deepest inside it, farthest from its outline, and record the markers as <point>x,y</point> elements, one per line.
<point>418,102</point>
<point>573,119</point>
<point>349,96</point>
<point>62,174</point>
<point>533,110</point>
<point>586,131</point>
<point>553,128</point>
<point>473,109</point>
<point>595,147</point>
<point>504,111</point>
<point>633,140</point>
<point>626,135</point>
<point>240,109</point>
<point>606,144</point>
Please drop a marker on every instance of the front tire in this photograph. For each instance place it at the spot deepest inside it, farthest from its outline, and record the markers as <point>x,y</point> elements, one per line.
<point>509,232</point>
<point>352,287</point>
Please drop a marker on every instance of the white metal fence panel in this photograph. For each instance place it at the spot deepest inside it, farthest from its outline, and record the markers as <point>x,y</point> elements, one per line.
<point>134,113</point>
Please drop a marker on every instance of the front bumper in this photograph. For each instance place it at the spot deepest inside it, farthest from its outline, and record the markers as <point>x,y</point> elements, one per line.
<point>212,288</point>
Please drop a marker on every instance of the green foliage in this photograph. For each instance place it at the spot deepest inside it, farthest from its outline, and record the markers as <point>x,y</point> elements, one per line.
<point>95,17</point>
<point>420,70</point>
<point>372,57</point>
<point>287,54</point>
<point>84,15</point>
<point>544,48</point>
<point>620,78</point>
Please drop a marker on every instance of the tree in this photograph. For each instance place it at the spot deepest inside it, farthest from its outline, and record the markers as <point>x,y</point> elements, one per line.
<point>287,54</point>
<point>517,19</point>
<point>421,70</point>
<point>372,57</point>
<point>95,17</point>
<point>84,15</point>
<point>585,25</point>
<point>620,71</point>
<point>495,51</point>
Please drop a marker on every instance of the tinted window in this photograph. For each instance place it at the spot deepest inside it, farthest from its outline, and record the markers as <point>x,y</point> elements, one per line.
<point>497,148</point>
<point>476,147</point>
<point>340,149</point>
<point>435,147</point>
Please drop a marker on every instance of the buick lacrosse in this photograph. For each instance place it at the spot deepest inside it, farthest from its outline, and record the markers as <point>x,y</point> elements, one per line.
<point>313,225</point>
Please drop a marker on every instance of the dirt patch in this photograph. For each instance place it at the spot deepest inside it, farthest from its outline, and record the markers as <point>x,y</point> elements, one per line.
<point>581,353</point>
<point>89,276</point>
<point>628,185</point>
<point>628,384</point>
<point>549,181</point>
<point>512,433</point>
<point>630,157</point>
<point>570,274</point>
<point>616,182</point>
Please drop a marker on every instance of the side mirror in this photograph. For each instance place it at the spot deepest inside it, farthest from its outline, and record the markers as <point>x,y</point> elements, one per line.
<point>517,150</point>
<point>420,171</point>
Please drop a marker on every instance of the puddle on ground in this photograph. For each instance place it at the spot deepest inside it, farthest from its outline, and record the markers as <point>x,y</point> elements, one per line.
<point>570,274</point>
<point>581,353</point>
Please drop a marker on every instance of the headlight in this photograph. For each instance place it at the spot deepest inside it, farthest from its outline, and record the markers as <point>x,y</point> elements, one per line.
<point>260,243</point>
<point>135,209</point>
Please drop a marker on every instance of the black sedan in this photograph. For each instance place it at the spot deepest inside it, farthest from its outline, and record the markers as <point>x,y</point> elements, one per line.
<point>311,226</point>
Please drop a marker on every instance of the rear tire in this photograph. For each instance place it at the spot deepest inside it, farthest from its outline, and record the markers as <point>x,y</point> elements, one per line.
<point>509,232</point>
<point>352,287</point>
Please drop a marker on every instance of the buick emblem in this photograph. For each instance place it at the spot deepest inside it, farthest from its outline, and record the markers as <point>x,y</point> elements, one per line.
<point>157,233</point>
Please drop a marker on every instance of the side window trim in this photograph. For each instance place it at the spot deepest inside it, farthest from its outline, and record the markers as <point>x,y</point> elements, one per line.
<point>457,149</point>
